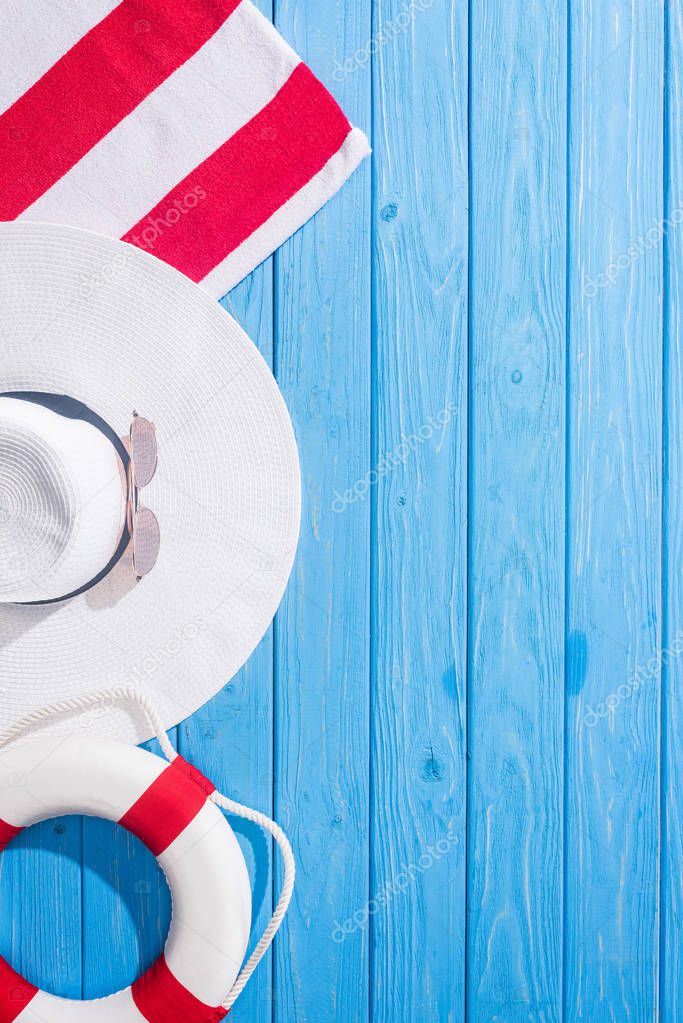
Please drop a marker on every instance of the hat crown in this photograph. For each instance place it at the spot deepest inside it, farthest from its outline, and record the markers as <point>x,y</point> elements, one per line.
<point>62,502</point>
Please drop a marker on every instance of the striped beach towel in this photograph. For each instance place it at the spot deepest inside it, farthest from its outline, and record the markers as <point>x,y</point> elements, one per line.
<point>187,127</point>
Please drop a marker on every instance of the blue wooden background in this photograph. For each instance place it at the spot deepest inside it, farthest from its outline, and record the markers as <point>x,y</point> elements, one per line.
<point>469,713</point>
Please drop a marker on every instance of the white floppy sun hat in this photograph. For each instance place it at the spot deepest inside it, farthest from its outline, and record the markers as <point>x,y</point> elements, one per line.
<point>131,405</point>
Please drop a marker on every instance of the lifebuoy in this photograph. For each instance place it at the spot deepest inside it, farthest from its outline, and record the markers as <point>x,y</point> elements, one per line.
<point>168,806</point>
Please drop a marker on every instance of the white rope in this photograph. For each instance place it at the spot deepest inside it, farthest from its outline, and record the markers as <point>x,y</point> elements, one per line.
<point>285,896</point>
<point>104,696</point>
<point>80,703</point>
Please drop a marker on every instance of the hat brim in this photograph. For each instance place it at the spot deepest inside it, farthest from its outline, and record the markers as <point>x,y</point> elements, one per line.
<point>115,328</point>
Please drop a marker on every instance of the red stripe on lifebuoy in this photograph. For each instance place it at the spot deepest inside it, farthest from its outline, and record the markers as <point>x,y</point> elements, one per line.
<point>167,807</point>
<point>7,833</point>
<point>161,998</point>
<point>191,772</point>
<point>15,993</point>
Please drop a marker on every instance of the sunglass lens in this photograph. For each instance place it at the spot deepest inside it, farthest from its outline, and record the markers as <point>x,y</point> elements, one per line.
<point>146,541</point>
<point>143,444</point>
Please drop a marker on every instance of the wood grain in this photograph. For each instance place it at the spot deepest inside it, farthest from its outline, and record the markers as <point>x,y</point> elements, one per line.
<point>671,943</point>
<point>444,716</point>
<point>614,519</point>
<point>420,538</point>
<point>40,905</point>
<point>125,909</point>
<point>518,155</point>
<point>323,351</point>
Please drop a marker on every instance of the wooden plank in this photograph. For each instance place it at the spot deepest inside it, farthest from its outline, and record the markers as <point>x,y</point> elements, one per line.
<point>126,909</point>
<point>517,157</point>
<point>231,739</point>
<point>614,512</point>
<point>126,905</point>
<point>671,938</point>
<point>40,905</point>
<point>420,500</point>
<point>323,353</point>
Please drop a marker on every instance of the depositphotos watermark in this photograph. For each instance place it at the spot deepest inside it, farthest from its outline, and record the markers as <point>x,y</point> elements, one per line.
<point>398,885</point>
<point>387,33</point>
<point>148,667</point>
<point>392,459</point>
<point>642,677</point>
<point>105,273</point>
<point>154,227</point>
<point>638,247</point>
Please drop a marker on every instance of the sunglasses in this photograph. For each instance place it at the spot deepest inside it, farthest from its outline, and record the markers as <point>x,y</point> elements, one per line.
<point>142,523</point>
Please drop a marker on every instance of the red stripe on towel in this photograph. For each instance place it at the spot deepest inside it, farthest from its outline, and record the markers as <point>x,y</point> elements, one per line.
<point>93,87</point>
<point>247,179</point>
